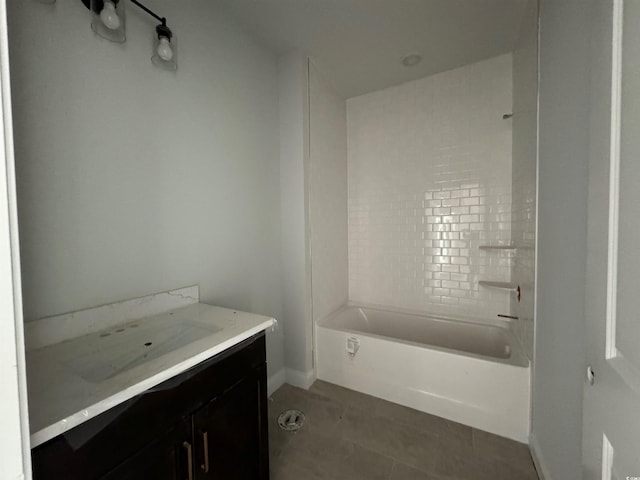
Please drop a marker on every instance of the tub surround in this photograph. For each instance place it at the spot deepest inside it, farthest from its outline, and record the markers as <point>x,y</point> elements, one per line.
<point>124,350</point>
<point>429,177</point>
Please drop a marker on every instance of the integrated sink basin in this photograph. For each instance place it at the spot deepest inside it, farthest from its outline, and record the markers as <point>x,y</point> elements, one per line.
<point>116,350</point>
<point>81,364</point>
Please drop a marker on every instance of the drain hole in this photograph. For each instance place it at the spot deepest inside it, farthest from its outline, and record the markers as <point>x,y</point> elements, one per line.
<point>291,420</point>
<point>148,344</point>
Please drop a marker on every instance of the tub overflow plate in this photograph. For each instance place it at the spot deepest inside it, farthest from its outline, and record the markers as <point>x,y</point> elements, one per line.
<point>291,420</point>
<point>353,345</point>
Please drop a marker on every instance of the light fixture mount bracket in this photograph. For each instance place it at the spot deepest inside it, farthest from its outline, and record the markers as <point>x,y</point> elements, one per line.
<point>163,31</point>
<point>87,3</point>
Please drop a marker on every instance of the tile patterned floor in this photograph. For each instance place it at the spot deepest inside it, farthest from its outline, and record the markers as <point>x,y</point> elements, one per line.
<point>352,436</point>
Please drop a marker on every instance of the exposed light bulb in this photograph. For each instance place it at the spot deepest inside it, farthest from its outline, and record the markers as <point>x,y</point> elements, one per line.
<point>109,16</point>
<point>164,49</point>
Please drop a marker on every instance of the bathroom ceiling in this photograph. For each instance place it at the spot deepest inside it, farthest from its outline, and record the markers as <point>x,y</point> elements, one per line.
<point>358,45</point>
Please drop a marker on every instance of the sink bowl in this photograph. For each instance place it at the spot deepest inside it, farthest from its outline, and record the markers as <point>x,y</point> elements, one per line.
<point>119,349</point>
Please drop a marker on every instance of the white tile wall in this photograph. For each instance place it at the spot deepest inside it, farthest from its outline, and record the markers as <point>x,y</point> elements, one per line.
<point>429,177</point>
<point>523,229</point>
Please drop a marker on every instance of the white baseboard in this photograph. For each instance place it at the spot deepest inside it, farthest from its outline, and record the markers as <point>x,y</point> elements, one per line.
<point>300,379</point>
<point>275,381</point>
<point>538,459</point>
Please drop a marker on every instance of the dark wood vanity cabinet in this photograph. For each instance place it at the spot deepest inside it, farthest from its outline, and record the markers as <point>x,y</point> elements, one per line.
<point>225,430</point>
<point>209,422</point>
<point>165,458</point>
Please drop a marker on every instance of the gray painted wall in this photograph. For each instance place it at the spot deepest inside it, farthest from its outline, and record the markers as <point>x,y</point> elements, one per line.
<point>562,226</point>
<point>523,169</point>
<point>327,196</point>
<point>293,98</point>
<point>133,180</point>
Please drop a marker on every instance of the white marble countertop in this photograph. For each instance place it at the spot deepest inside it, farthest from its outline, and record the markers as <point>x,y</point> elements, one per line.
<point>74,380</point>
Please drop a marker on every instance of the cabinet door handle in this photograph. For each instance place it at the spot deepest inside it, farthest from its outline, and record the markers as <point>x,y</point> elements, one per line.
<point>187,445</point>
<point>205,442</point>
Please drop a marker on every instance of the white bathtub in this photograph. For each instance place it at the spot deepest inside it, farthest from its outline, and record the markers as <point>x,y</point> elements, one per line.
<point>468,372</point>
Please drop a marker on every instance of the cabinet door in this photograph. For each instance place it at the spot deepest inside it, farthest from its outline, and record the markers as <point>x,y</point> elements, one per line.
<point>169,457</point>
<point>230,433</point>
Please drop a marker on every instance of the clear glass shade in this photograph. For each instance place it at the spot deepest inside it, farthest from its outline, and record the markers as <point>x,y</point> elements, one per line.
<point>165,52</point>
<point>109,19</point>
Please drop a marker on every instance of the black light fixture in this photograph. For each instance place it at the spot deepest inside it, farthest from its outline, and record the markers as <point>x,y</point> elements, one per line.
<point>109,22</point>
<point>165,46</point>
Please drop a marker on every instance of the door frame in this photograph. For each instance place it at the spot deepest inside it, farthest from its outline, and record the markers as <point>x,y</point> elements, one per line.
<point>15,448</point>
<point>610,368</point>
